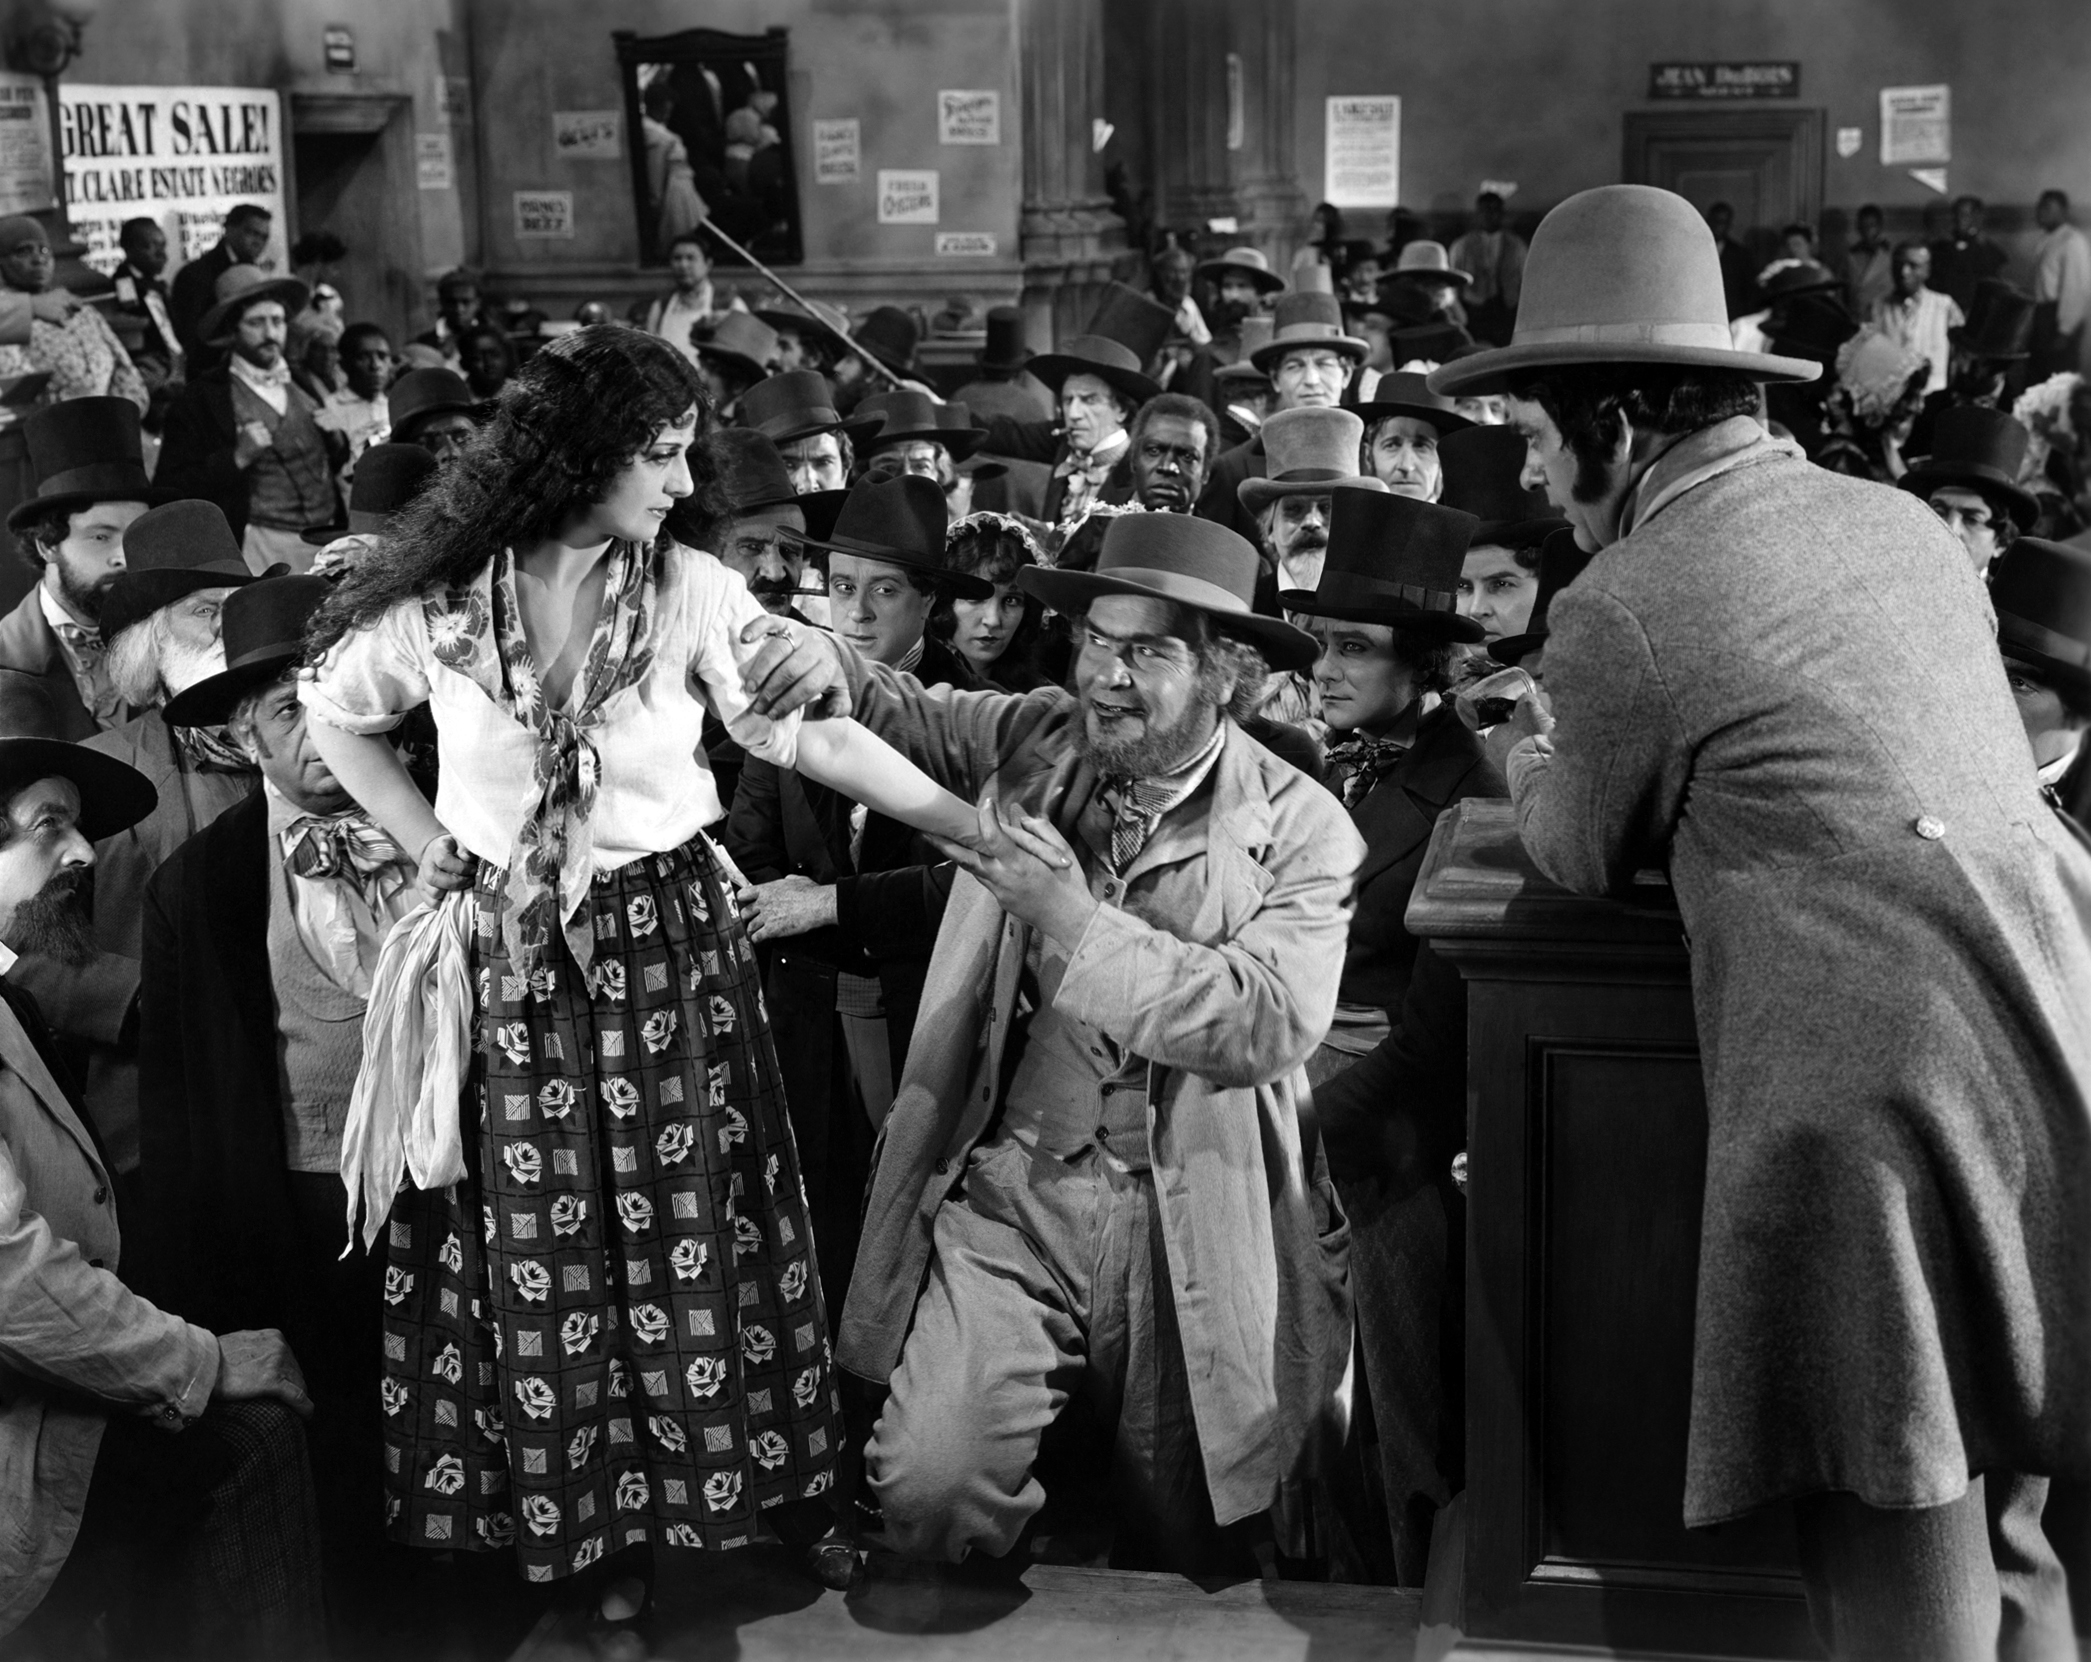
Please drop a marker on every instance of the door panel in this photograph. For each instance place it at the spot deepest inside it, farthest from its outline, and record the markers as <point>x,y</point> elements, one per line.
<point>1766,164</point>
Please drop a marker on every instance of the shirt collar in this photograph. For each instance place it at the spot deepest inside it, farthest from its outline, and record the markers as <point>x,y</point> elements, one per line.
<point>263,381</point>
<point>55,613</point>
<point>8,955</point>
<point>2052,772</point>
<point>1107,451</point>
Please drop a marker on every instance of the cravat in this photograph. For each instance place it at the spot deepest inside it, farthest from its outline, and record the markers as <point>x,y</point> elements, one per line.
<point>1085,476</point>
<point>90,657</point>
<point>345,845</point>
<point>1364,761</point>
<point>1137,806</point>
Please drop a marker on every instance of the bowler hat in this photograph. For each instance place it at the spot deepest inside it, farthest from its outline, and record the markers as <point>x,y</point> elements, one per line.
<point>2042,594</point>
<point>241,286</point>
<point>1427,262</point>
<point>1114,364</point>
<point>1180,558</point>
<point>1392,560</point>
<point>1308,452</point>
<point>263,631</point>
<point>387,478</point>
<point>796,405</point>
<point>169,551</point>
<point>1981,450</point>
<point>751,471</point>
<point>114,796</point>
<point>900,520</point>
<point>1406,393</point>
<point>1483,470</point>
<point>905,417</point>
<point>1004,349</point>
<point>84,451</point>
<point>889,335</point>
<point>421,393</point>
<point>1623,274</point>
<point>740,340</point>
<point>1307,320</point>
<point>1561,562</point>
<point>821,320</point>
<point>1243,262</point>
<point>1999,324</point>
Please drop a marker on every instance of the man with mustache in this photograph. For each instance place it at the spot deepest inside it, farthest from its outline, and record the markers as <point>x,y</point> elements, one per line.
<point>1310,452</point>
<point>91,484</point>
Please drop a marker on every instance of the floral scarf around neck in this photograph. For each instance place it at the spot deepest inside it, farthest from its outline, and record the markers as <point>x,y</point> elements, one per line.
<point>478,631</point>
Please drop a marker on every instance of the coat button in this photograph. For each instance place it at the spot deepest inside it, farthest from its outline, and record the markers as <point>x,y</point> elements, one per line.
<point>101,1194</point>
<point>1103,1133</point>
<point>1930,828</point>
<point>942,1167</point>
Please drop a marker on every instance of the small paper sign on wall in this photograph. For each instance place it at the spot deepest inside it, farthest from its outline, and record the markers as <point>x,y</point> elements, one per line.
<point>544,213</point>
<point>967,244</point>
<point>1916,125</point>
<point>838,152</point>
<point>907,197</point>
<point>1362,164</point>
<point>969,118</point>
<point>432,169</point>
<point>587,135</point>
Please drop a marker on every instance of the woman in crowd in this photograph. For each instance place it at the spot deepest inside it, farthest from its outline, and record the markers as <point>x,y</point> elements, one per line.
<point>1001,637</point>
<point>608,1331</point>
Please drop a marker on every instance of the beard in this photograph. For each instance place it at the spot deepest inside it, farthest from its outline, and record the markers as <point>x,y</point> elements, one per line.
<point>183,665</point>
<point>83,600</point>
<point>55,923</point>
<point>1155,751</point>
<point>1225,316</point>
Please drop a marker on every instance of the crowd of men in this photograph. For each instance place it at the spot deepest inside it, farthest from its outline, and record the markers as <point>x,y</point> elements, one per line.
<point>1339,463</point>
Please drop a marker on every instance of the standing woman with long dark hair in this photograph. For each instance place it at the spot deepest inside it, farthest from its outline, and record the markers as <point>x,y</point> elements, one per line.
<point>608,1330</point>
<point>1001,637</point>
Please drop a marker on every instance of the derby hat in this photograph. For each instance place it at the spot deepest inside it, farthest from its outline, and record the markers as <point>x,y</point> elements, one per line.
<point>796,405</point>
<point>387,478</point>
<point>1004,349</point>
<point>2042,594</point>
<point>1483,470</point>
<point>1432,343</point>
<point>1177,557</point>
<point>900,520</point>
<point>114,796</point>
<point>905,417</point>
<point>823,321</point>
<point>1623,274</point>
<point>1306,320</point>
<point>84,451</point>
<point>751,472</point>
<point>1110,361</point>
<point>1981,450</point>
<point>1308,452</point>
<point>241,286</point>
<point>421,393</point>
<point>1561,562</point>
<point>1406,393</point>
<point>263,630</point>
<point>889,335</point>
<point>1427,262</point>
<point>169,551</point>
<point>1392,560</point>
<point>742,341</point>
<point>1999,324</point>
<point>1243,262</point>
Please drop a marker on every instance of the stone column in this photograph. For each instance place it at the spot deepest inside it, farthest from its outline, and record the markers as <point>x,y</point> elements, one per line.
<point>1273,206</point>
<point>1187,47</point>
<point>1072,243</point>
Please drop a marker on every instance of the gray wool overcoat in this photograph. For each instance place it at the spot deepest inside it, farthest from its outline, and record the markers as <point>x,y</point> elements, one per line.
<point>1785,683</point>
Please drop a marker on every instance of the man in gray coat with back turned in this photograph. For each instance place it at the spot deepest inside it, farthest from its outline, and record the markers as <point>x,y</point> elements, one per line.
<point>1786,684</point>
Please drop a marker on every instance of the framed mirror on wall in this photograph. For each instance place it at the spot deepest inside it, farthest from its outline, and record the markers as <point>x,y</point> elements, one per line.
<point>713,119</point>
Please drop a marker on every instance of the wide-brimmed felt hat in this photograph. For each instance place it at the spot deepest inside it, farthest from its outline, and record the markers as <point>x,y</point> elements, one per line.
<point>114,796</point>
<point>828,323</point>
<point>1108,360</point>
<point>1307,452</point>
<point>2042,594</point>
<point>241,286</point>
<point>263,631</point>
<point>1482,469</point>
<point>890,335</point>
<point>1392,560</point>
<point>1181,558</point>
<point>387,478</point>
<point>1561,562</point>
<point>751,472</point>
<point>1978,449</point>
<point>1404,392</point>
<point>169,551</point>
<point>1814,326</point>
<point>796,405</point>
<point>1623,274</point>
<point>1242,262</point>
<point>1430,342</point>
<point>900,520</point>
<point>1243,371</point>
<point>822,509</point>
<point>907,416</point>
<point>1004,349</point>
<point>740,340</point>
<point>957,419</point>
<point>421,393</point>
<point>84,451</point>
<point>1424,261</point>
<point>1404,305</point>
<point>1307,320</point>
<point>1999,323</point>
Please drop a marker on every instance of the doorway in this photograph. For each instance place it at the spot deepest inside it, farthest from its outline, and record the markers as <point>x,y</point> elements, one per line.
<point>1766,164</point>
<point>354,160</point>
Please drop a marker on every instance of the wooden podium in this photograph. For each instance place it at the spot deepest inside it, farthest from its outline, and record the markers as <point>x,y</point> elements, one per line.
<point>1586,1122</point>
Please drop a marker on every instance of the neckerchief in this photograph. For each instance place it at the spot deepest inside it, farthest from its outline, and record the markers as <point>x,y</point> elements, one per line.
<point>1087,472</point>
<point>480,634</point>
<point>351,847</point>
<point>1365,761</point>
<point>87,658</point>
<point>1137,805</point>
<point>209,750</point>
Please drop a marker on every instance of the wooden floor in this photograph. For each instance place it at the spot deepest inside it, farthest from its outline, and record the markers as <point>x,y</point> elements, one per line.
<point>755,1606</point>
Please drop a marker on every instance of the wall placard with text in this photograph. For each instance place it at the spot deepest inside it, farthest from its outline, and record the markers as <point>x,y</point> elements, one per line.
<point>969,118</point>
<point>907,196</point>
<point>1362,159</point>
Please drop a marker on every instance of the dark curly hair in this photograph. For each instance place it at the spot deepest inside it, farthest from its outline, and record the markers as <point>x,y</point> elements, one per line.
<point>1588,404</point>
<point>562,429</point>
<point>995,547</point>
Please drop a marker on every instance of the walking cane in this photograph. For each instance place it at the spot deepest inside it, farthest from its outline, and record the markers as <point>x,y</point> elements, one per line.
<point>712,227</point>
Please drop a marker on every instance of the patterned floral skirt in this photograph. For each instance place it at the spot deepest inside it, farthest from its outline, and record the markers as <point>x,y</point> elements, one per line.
<point>611,1330</point>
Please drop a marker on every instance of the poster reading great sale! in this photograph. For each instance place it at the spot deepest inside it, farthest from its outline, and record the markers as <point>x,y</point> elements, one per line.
<point>180,155</point>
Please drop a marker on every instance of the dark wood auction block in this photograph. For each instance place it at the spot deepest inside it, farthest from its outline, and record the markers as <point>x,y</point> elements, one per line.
<point>1586,1170</point>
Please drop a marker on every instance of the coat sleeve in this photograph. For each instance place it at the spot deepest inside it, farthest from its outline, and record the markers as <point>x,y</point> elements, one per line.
<point>167,1166</point>
<point>91,1001</point>
<point>1603,806</point>
<point>755,828</point>
<point>1027,441</point>
<point>195,460</point>
<point>893,914</point>
<point>1400,1112</point>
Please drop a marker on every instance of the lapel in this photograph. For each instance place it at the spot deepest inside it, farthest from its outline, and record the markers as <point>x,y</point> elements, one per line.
<point>20,1054</point>
<point>235,913</point>
<point>1399,813</point>
<point>816,827</point>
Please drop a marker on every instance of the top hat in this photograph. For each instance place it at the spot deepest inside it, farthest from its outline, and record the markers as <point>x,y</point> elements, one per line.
<point>1308,452</point>
<point>1623,274</point>
<point>1814,326</point>
<point>1243,262</point>
<point>900,520</point>
<point>889,335</point>
<point>1791,278</point>
<point>1306,320</point>
<point>169,551</point>
<point>1561,562</point>
<point>1483,471</point>
<point>1999,324</point>
<point>1138,322</point>
<point>741,340</point>
<point>1004,348</point>
<point>85,450</point>
<point>905,417</point>
<point>421,393</point>
<point>263,630</point>
<point>1180,558</point>
<point>1112,362</point>
<point>1403,392</point>
<point>1426,262</point>
<point>1392,560</point>
<point>826,322</point>
<point>796,405</point>
<point>240,286</point>
<point>2042,594</point>
<point>1981,450</point>
<point>387,478</point>
<point>751,472</point>
<point>1431,342</point>
<point>114,796</point>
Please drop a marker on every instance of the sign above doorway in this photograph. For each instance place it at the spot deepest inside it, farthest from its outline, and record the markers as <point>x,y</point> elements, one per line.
<point>1724,80</point>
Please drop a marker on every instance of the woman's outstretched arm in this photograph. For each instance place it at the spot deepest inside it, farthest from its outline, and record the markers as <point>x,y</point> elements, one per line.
<point>863,767</point>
